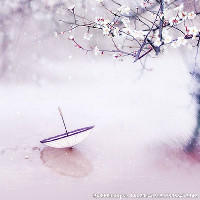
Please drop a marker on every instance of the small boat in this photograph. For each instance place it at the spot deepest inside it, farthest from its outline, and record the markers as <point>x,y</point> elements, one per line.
<point>68,139</point>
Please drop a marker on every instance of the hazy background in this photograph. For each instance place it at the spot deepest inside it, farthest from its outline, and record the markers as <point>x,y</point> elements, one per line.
<point>142,117</point>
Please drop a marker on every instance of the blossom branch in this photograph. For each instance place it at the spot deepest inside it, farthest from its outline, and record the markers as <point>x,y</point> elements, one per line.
<point>156,32</point>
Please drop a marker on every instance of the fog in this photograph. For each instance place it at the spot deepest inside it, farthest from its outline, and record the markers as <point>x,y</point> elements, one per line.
<point>143,117</point>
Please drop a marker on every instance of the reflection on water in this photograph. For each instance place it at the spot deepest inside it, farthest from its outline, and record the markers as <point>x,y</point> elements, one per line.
<point>67,162</point>
<point>174,157</point>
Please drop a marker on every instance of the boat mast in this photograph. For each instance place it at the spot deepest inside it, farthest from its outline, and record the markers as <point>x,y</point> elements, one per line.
<point>62,119</point>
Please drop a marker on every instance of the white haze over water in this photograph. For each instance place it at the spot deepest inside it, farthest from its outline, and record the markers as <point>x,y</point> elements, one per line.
<point>135,116</point>
<point>142,119</point>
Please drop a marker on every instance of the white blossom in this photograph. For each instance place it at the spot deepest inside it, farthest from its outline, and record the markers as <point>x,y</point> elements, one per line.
<point>193,31</point>
<point>71,37</point>
<point>191,15</point>
<point>180,41</point>
<point>124,10</point>
<point>104,24</point>
<point>157,42</point>
<point>106,30</point>
<point>167,39</point>
<point>100,21</point>
<point>116,32</point>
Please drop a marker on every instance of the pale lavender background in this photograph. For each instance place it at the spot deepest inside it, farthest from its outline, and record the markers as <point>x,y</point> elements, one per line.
<point>141,118</point>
